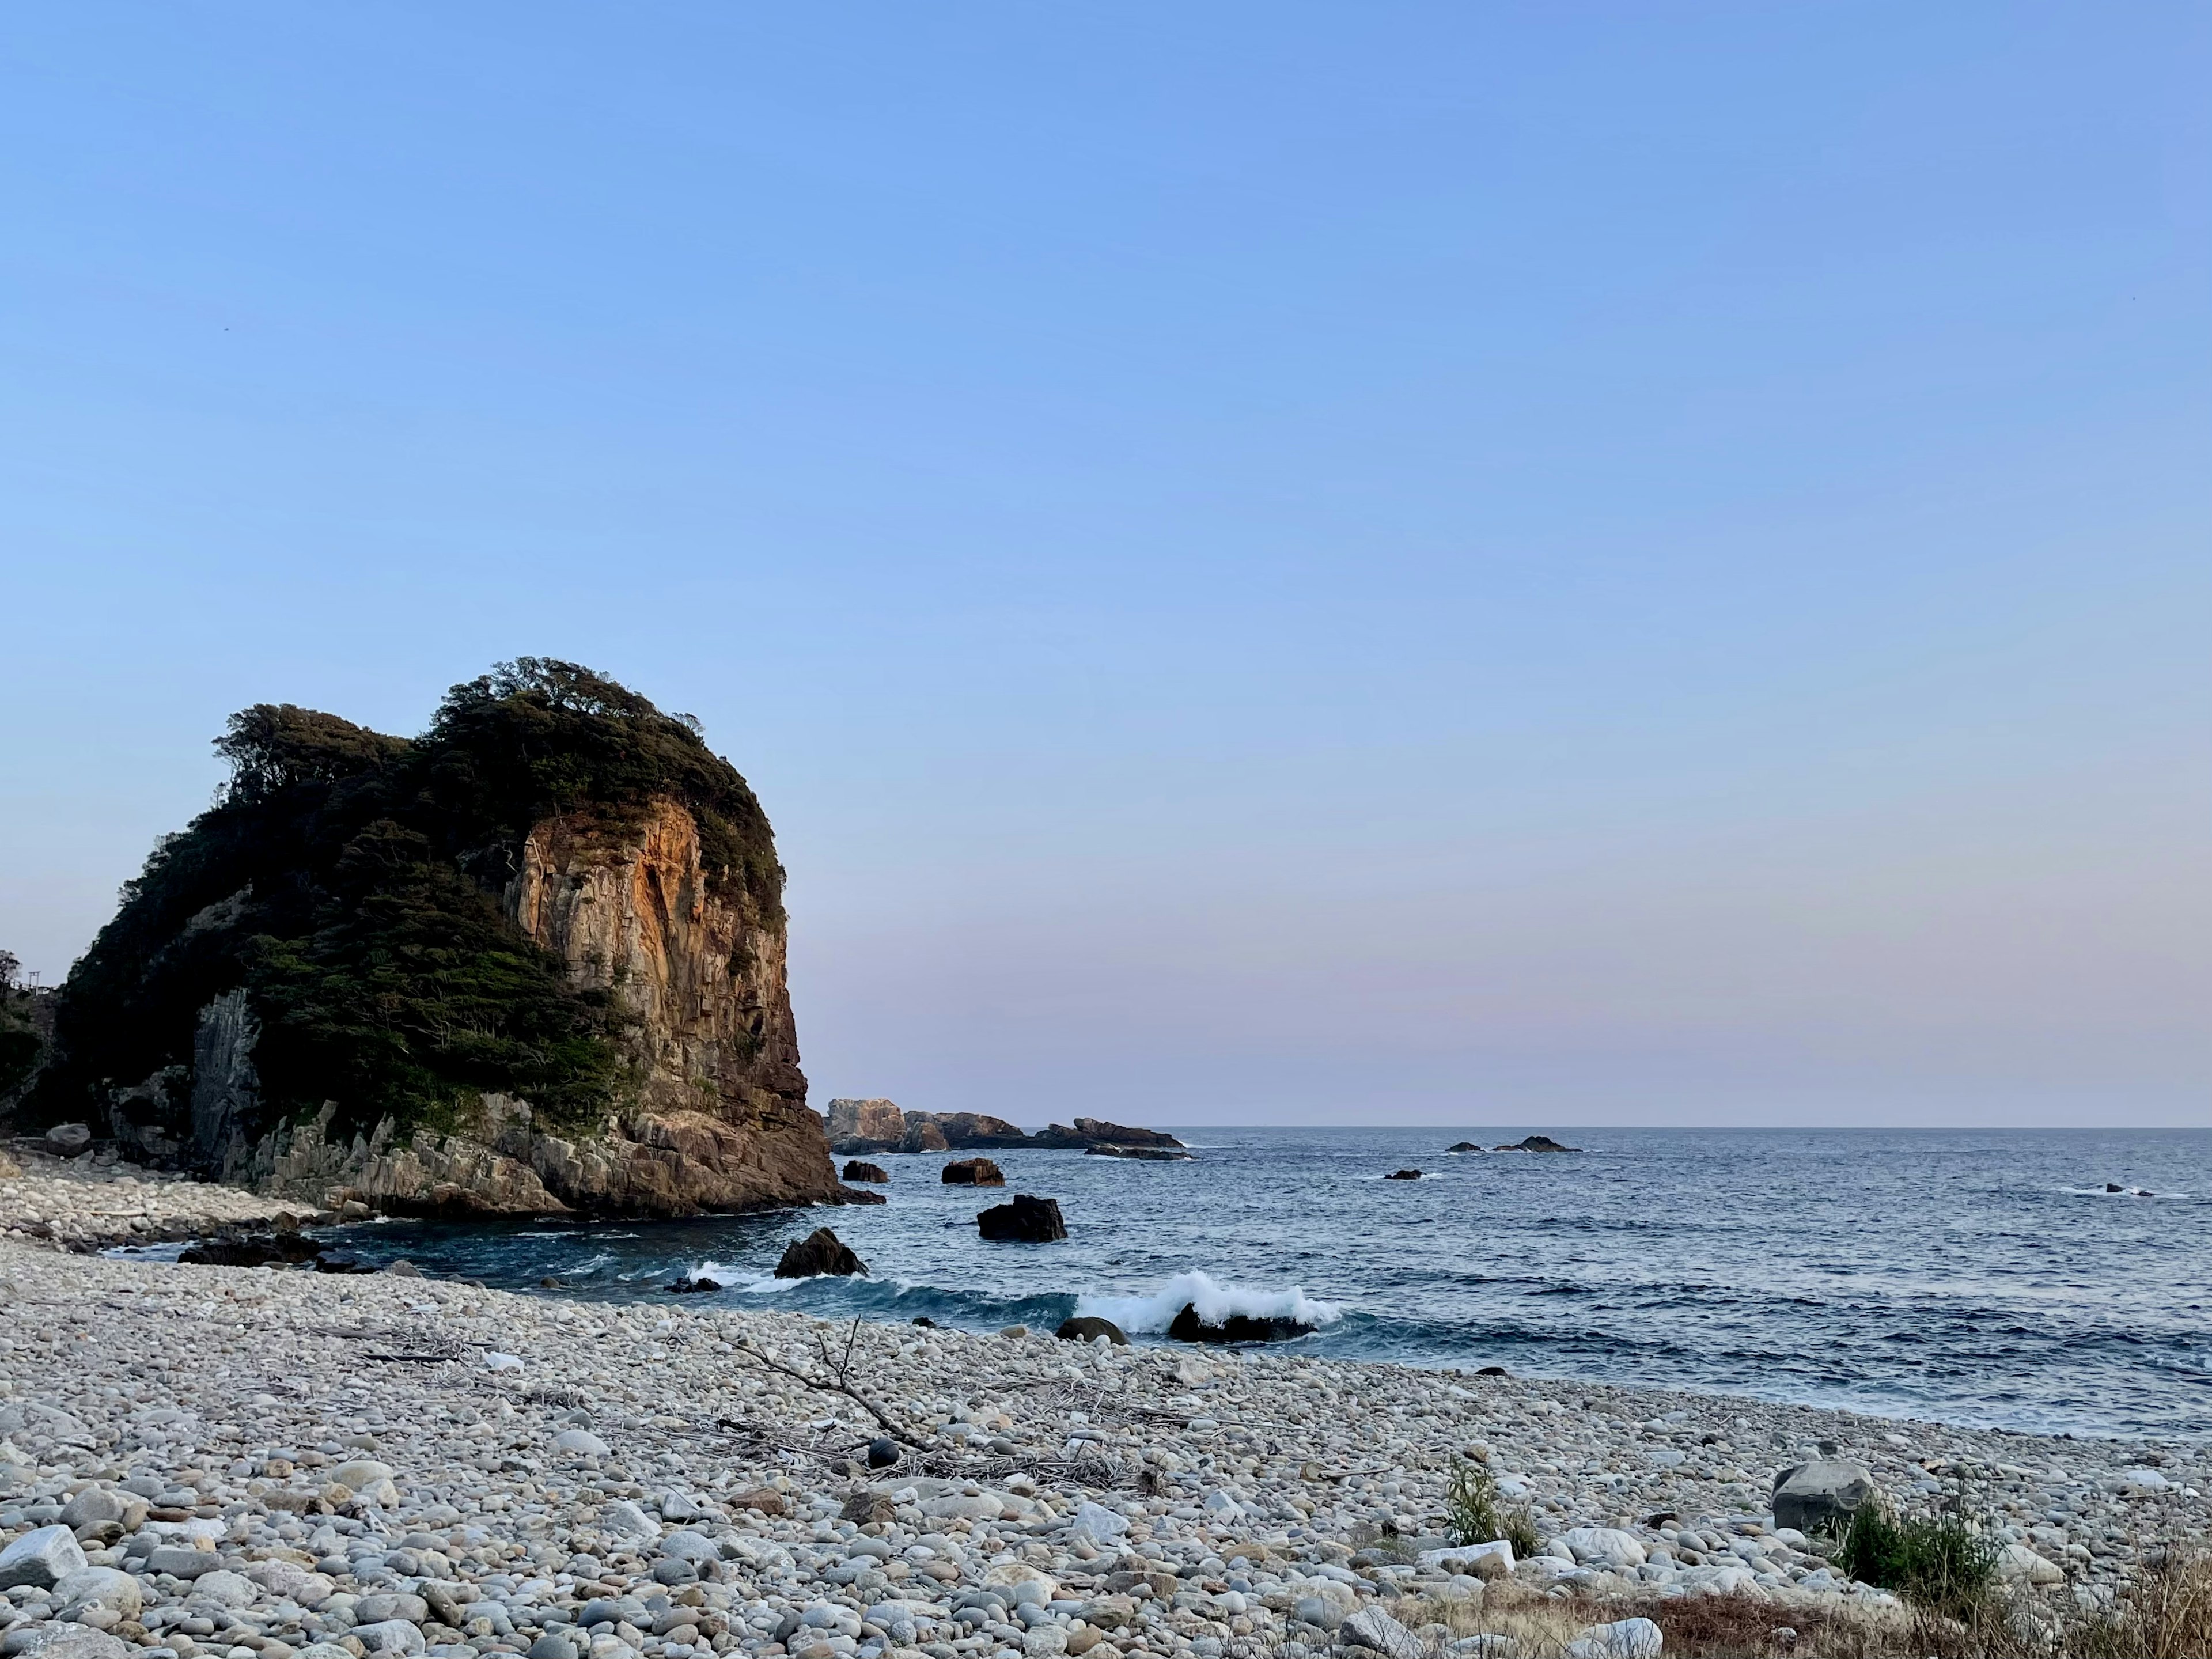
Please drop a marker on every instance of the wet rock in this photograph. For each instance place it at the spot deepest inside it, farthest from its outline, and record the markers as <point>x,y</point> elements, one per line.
<point>820,1252</point>
<point>1403,1175</point>
<point>973,1172</point>
<point>688,1286</point>
<point>1085,1328</point>
<point>1536,1144</point>
<point>1187,1327</point>
<point>1026,1220</point>
<point>856,1170</point>
<point>1463,1147</point>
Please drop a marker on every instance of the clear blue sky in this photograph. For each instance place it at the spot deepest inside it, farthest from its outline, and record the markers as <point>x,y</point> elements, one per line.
<point>1543,563</point>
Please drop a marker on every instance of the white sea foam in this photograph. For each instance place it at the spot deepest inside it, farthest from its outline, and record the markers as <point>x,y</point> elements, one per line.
<point>1214,1300</point>
<point>736,1279</point>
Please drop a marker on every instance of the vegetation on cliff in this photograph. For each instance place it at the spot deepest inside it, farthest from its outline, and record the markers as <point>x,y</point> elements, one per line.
<point>348,882</point>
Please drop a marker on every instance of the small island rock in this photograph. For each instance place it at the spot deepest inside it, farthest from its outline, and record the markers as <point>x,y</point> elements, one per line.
<point>821,1254</point>
<point>973,1172</point>
<point>1026,1220</point>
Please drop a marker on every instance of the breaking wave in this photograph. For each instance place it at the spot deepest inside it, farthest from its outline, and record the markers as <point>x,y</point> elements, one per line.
<point>1214,1300</point>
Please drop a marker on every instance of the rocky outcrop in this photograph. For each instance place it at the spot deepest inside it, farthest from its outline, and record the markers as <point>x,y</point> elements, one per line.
<point>1188,1326</point>
<point>877,1124</point>
<point>715,1116</point>
<point>973,1172</point>
<point>1140,1154</point>
<point>1403,1175</point>
<point>1536,1144</point>
<point>856,1170</point>
<point>820,1253</point>
<point>1024,1220</point>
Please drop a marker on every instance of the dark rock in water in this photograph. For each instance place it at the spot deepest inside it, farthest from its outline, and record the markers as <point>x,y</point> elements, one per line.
<point>1026,1221</point>
<point>1085,1328</point>
<point>1403,1175</point>
<point>550,1283</point>
<point>924,1321</point>
<point>883,1452</point>
<point>2114,1187</point>
<point>689,1287</point>
<point>820,1253</point>
<point>1493,1370</point>
<point>1818,1497</point>
<point>1536,1144</point>
<point>1187,1327</point>
<point>1464,1146</point>
<point>1140,1154</point>
<point>973,1172</point>
<point>856,1170</point>
<point>262,1250</point>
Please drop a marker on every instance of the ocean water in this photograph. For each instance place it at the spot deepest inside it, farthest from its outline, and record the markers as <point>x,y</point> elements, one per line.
<point>1985,1278</point>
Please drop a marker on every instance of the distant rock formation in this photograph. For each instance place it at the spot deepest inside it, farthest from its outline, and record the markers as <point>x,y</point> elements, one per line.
<point>1141,1154</point>
<point>1533,1144</point>
<point>877,1124</point>
<point>1463,1147</point>
<point>1403,1175</point>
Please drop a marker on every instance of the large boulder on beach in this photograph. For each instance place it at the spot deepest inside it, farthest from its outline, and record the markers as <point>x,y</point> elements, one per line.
<point>1084,1328</point>
<point>41,1558</point>
<point>1188,1326</point>
<point>1819,1496</point>
<point>973,1172</point>
<point>1026,1220</point>
<point>821,1254</point>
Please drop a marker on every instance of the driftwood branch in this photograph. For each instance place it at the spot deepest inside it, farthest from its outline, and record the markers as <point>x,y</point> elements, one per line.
<point>839,1382</point>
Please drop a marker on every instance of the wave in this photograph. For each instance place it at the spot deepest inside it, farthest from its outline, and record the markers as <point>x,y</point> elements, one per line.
<point>1214,1300</point>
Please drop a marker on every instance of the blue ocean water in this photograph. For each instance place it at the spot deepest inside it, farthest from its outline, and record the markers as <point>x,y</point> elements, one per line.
<point>1980,1278</point>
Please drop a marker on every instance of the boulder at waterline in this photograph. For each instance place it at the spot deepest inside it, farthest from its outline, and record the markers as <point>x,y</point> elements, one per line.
<point>1818,1496</point>
<point>1187,1327</point>
<point>688,1286</point>
<point>1084,1328</point>
<point>1403,1175</point>
<point>1026,1220</point>
<point>821,1254</point>
<point>1464,1146</point>
<point>973,1172</point>
<point>856,1170</point>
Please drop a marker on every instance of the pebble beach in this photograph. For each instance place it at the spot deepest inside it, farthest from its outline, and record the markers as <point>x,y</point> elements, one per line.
<point>272,1463</point>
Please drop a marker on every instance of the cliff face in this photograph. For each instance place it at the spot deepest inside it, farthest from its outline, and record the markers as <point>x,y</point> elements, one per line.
<point>531,961</point>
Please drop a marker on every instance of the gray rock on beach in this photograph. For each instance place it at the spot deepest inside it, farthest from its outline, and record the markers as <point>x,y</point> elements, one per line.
<point>1818,1496</point>
<point>42,1558</point>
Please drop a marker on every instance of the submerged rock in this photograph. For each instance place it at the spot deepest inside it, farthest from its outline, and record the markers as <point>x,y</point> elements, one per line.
<point>820,1253</point>
<point>1026,1220</point>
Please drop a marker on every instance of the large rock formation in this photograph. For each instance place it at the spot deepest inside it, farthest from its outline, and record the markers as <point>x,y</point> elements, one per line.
<point>877,1124</point>
<point>531,961</point>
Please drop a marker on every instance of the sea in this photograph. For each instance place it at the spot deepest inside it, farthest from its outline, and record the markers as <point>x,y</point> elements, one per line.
<point>2049,1281</point>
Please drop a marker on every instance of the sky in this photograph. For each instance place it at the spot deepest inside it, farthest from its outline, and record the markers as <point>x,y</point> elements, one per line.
<point>1544,564</point>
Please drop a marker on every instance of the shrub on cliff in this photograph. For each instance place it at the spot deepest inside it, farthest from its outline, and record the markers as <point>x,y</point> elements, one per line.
<point>348,881</point>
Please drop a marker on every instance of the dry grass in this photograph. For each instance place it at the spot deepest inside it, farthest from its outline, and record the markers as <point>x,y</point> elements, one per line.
<point>2164,1612</point>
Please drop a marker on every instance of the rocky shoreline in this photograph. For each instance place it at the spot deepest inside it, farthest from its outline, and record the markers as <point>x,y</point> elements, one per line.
<point>271,1464</point>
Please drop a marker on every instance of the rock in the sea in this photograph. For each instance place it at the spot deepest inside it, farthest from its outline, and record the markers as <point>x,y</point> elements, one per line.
<point>1403,1175</point>
<point>856,1170</point>
<point>41,1558</point>
<point>1085,1328</point>
<point>820,1252</point>
<point>1140,1154</point>
<point>690,1286</point>
<point>973,1172</point>
<point>1536,1144</point>
<point>1463,1147</point>
<point>1026,1220</point>
<point>1187,1327</point>
<point>1816,1497</point>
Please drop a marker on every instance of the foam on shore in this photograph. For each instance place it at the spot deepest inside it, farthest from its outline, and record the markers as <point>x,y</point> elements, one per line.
<point>1214,1300</point>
